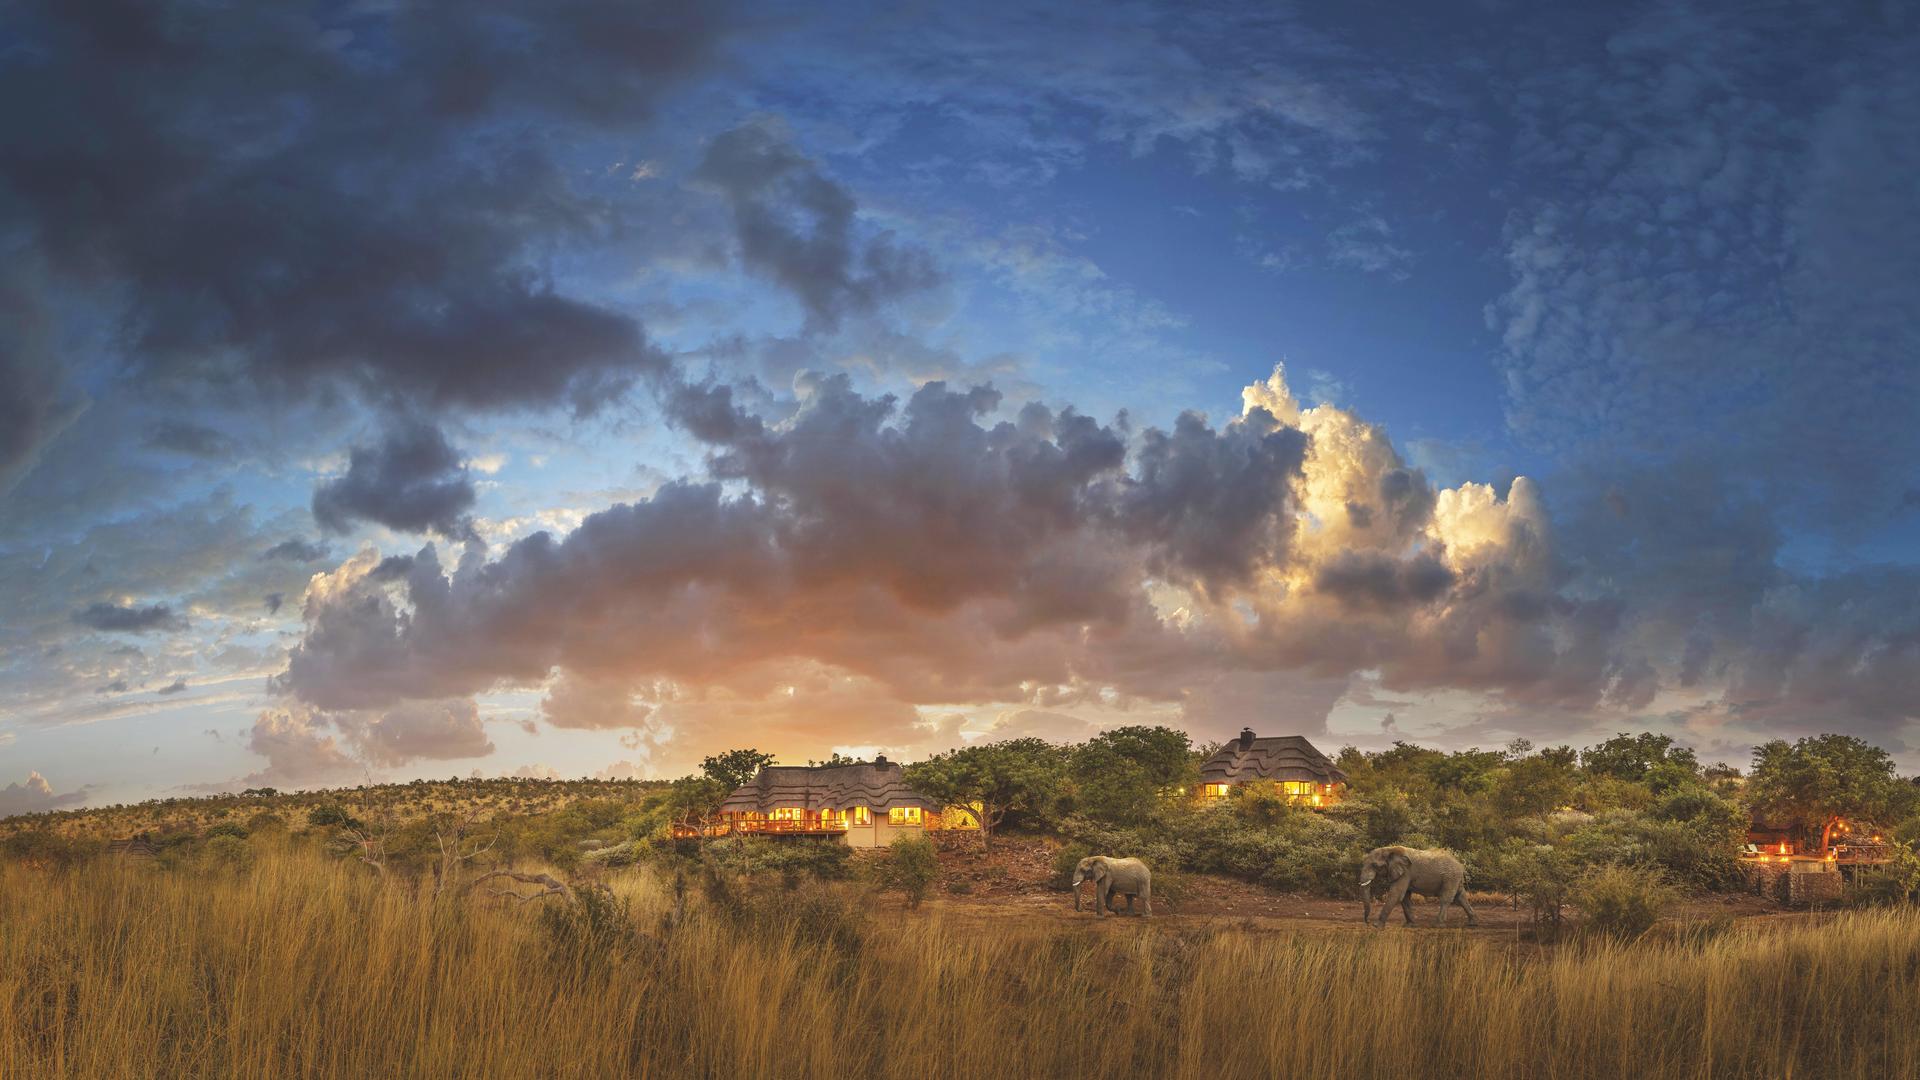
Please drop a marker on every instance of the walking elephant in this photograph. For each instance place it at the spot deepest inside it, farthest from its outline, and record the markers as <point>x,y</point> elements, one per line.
<point>1407,871</point>
<point>1113,878</point>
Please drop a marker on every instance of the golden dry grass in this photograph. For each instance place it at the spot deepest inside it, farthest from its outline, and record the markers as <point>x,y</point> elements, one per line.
<point>308,967</point>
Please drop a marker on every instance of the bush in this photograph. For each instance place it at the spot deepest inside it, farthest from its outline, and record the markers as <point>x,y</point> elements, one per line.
<point>230,853</point>
<point>792,860</point>
<point>47,849</point>
<point>266,821</point>
<point>327,815</point>
<point>1065,861</point>
<point>228,828</point>
<point>912,864</point>
<point>1622,902</point>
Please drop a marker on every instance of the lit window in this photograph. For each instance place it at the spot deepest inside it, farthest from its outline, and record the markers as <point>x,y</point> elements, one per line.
<point>862,816</point>
<point>1296,787</point>
<point>1215,791</point>
<point>903,815</point>
<point>788,813</point>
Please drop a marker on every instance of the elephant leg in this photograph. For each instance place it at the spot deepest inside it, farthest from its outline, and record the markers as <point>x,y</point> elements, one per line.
<point>1440,909</point>
<point>1396,897</point>
<point>1460,896</point>
<point>1146,900</point>
<point>1103,895</point>
<point>1366,903</point>
<point>1406,910</point>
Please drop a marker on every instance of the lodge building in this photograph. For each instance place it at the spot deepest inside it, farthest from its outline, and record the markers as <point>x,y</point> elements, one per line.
<point>866,804</point>
<point>1303,774</point>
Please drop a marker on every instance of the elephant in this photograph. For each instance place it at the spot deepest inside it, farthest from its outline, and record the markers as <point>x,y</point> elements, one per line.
<point>1113,878</point>
<point>1410,870</point>
<point>1374,891</point>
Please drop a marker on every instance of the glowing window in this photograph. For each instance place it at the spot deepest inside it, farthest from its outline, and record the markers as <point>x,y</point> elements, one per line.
<point>1215,791</point>
<point>903,815</point>
<point>788,813</point>
<point>1296,787</point>
<point>862,816</point>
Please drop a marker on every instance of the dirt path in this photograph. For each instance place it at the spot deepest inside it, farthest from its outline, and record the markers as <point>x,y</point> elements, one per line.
<point>1013,882</point>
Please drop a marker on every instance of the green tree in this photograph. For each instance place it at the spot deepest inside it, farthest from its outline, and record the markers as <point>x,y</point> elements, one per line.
<point>735,767</point>
<point>1823,780</point>
<point>1632,757</point>
<point>999,778</point>
<point>1118,775</point>
<point>1535,785</point>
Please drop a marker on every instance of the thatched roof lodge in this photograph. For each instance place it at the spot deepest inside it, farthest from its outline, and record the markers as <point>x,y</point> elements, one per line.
<point>867,803</point>
<point>1304,774</point>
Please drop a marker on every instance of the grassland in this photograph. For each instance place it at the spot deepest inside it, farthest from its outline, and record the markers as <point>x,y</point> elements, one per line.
<point>305,965</point>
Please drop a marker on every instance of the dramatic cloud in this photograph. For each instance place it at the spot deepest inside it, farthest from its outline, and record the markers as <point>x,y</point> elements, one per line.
<point>797,227</point>
<point>866,558</point>
<point>412,481</point>
<point>355,199</point>
<point>129,619</point>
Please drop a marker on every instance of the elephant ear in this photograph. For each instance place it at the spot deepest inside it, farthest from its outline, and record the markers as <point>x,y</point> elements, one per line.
<point>1397,864</point>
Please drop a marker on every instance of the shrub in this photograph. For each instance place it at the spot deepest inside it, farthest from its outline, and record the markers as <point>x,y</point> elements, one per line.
<point>1622,902</point>
<point>228,828</point>
<point>229,853</point>
<point>1065,861</point>
<point>327,815</point>
<point>792,860</point>
<point>912,864</point>
<point>266,821</point>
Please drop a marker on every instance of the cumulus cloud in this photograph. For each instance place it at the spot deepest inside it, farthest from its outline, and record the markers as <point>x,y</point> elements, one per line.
<point>413,480</point>
<point>861,557</point>
<point>129,618</point>
<point>798,228</point>
<point>36,795</point>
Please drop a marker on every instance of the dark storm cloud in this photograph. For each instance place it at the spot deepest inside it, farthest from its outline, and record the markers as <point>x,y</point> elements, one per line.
<point>129,619</point>
<point>413,481</point>
<point>177,686</point>
<point>273,601</point>
<point>295,199</point>
<point>295,549</point>
<point>796,227</point>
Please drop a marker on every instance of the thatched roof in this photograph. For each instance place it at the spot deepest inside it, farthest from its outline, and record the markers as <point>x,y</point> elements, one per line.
<point>877,784</point>
<point>1271,757</point>
<point>136,848</point>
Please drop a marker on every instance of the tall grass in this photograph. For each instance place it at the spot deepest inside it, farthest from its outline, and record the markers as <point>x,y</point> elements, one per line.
<point>307,967</point>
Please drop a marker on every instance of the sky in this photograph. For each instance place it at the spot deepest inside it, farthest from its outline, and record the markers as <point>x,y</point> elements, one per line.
<point>580,387</point>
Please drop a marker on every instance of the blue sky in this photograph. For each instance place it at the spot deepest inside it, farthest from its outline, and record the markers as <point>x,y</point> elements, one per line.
<point>580,388</point>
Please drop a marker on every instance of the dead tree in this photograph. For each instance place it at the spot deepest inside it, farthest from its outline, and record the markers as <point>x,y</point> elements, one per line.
<point>549,886</point>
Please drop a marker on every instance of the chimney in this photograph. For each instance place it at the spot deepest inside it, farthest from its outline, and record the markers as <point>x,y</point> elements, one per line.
<point>1246,739</point>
